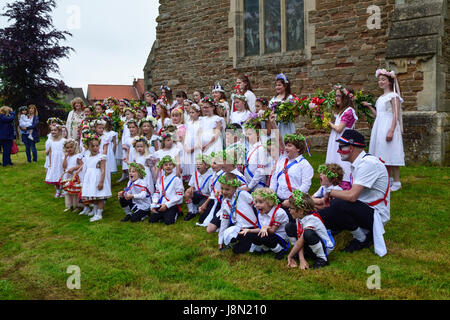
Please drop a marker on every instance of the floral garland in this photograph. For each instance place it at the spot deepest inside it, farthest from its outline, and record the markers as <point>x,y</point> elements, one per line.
<point>209,100</point>
<point>139,169</point>
<point>324,169</point>
<point>288,110</point>
<point>54,119</point>
<point>385,72</point>
<point>204,158</point>
<point>320,107</point>
<point>153,122</point>
<point>235,183</point>
<point>97,122</point>
<point>298,198</point>
<point>140,139</point>
<point>90,136</point>
<point>131,121</point>
<point>133,111</point>
<point>271,196</point>
<point>361,109</point>
<point>294,138</point>
<point>163,102</point>
<point>116,121</point>
<point>164,160</point>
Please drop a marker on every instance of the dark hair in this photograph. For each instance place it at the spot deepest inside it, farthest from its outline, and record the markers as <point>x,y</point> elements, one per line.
<point>244,78</point>
<point>181,94</point>
<point>287,87</point>
<point>346,100</point>
<point>300,145</point>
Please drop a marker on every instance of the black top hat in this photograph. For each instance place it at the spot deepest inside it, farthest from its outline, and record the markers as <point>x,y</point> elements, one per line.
<point>352,137</point>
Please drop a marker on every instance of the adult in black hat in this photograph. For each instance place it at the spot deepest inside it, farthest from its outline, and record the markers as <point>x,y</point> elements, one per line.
<point>365,208</point>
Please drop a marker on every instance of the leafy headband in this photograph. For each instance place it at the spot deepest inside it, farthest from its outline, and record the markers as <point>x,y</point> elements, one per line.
<point>140,139</point>
<point>141,171</point>
<point>270,196</point>
<point>298,198</point>
<point>294,138</point>
<point>53,120</point>
<point>324,169</point>
<point>204,158</point>
<point>164,160</point>
<point>235,183</point>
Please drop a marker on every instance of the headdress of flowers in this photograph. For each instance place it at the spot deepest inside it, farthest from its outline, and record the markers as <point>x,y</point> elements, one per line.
<point>131,121</point>
<point>209,100</point>
<point>204,158</point>
<point>263,101</point>
<point>178,109</point>
<point>271,196</point>
<point>153,122</point>
<point>188,101</point>
<point>344,91</point>
<point>298,198</point>
<point>140,139</point>
<point>110,99</point>
<point>324,169</point>
<point>283,77</point>
<point>164,160</point>
<point>126,102</point>
<point>162,101</point>
<point>129,109</point>
<point>69,141</point>
<point>196,107</point>
<point>220,105</point>
<point>225,155</point>
<point>90,136</point>
<point>140,170</point>
<point>97,122</point>
<point>240,97</point>
<point>55,120</point>
<point>295,138</point>
<point>165,88</point>
<point>89,107</point>
<point>232,183</point>
<point>385,72</point>
<point>167,134</point>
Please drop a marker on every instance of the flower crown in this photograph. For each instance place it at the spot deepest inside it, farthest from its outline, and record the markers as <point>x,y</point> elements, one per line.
<point>126,102</point>
<point>110,99</point>
<point>298,198</point>
<point>263,101</point>
<point>283,77</point>
<point>54,119</point>
<point>225,155</point>
<point>240,97</point>
<point>204,158</point>
<point>344,91</point>
<point>165,88</point>
<point>129,109</point>
<point>131,121</point>
<point>271,196</point>
<point>293,138</point>
<point>69,141</point>
<point>390,74</point>
<point>220,105</point>
<point>138,168</point>
<point>232,183</point>
<point>23,108</point>
<point>209,100</point>
<point>140,139</point>
<point>90,136</point>
<point>97,122</point>
<point>324,169</point>
<point>164,160</point>
<point>153,122</point>
<point>196,107</point>
<point>178,109</point>
<point>162,101</point>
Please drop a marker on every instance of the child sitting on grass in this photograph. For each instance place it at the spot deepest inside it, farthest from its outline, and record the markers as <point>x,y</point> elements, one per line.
<point>272,220</point>
<point>330,178</point>
<point>308,234</point>
<point>135,198</point>
<point>197,195</point>
<point>236,215</point>
<point>168,195</point>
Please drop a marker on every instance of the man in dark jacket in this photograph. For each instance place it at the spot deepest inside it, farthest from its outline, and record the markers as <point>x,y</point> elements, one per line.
<point>6,133</point>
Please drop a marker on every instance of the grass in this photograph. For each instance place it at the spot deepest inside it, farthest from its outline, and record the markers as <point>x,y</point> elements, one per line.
<point>141,261</point>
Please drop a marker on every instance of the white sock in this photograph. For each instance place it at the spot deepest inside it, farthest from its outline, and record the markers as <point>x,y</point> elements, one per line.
<point>127,211</point>
<point>318,250</point>
<point>99,212</point>
<point>278,248</point>
<point>292,240</point>
<point>359,235</point>
<point>68,201</point>
<point>190,207</point>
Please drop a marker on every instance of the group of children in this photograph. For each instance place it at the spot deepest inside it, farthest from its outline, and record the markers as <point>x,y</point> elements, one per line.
<point>239,178</point>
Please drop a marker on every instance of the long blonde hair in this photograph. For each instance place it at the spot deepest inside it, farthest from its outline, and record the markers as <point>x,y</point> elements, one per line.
<point>35,109</point>
<point>5,110</point>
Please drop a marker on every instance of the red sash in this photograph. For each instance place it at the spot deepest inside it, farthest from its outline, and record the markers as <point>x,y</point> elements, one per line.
<point>299,229</point>
<point>273,216</point>
<point>288,181</point>
<point>243,215</point>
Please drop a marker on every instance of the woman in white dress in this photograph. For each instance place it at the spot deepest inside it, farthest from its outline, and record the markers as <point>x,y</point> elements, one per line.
<point>74,119</point>
<point>212,127</point>
<point>242,113</point>
<point>345,119</point>
<point>386,137</point>
<point>245,88</point>
<point>283,91</point>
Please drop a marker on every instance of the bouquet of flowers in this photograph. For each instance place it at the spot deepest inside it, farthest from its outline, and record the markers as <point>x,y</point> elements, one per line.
<point>288,110</point>
<point>116,122</point>
<point>320,109</point>
<point>361,109</point>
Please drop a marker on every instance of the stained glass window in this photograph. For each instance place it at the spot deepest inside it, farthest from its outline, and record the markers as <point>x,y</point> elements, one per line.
<point>294,25</point>
<point>251,27</point>
<point>272,26</point>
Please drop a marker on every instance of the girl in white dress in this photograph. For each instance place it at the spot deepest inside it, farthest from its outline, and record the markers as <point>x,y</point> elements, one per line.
<point>283,91</point>
<point>72,168</point>
<point>386,139</point>
<point>212,127</point>
<point>95,188</point>
<point>223,108</point>
<point>127,144</point>
<point>56,158</point>
<point>168,148</point>
<point>163,118</point>
<point>129,114</point>
<point>147,129</point>
<point>112,146</point>
<point>244,86</point>
<point>105,141</point>
<point>345,119</point>
<point>144,157</point>
<point>242,113</point>
<point>192,145</point>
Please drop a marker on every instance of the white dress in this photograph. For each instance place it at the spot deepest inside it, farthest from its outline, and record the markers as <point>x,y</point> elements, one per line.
<point>47,147</point>
<point>208,126</point>
<point>349,114</point>
<point>190,141</point>
<point>159,125</point>
<point>128,142</point>
<point>111,155</point>
<point>71,163</point>
<point>55,170</point>
<point>83,156</point>
<point>390,152</point>
<point>91,179</point>
<point>144,160</point>
<point>285,128</point>
<point>239,117</point>
<point>106,140</point>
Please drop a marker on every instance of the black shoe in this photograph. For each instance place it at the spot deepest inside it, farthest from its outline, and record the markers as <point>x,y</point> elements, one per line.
<point>356,245</point>
<point>189,216</point>
<point>225,248</point>
<point>127,218</point>
<point>280,255</point>
<point>319,263</point>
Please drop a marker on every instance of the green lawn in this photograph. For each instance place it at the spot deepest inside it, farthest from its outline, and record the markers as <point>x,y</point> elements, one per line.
<point>141,261</point>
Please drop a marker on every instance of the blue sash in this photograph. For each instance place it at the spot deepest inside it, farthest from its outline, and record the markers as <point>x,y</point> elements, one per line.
<point>204,183</point>
<point>166,188</point>
<point>289,166</point>
<point>233,208</point>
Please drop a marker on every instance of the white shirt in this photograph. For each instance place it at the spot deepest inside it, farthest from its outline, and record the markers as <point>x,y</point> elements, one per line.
<point>214,183</point>
<point>244,205</point>
<point>256,165</point>
<point>171,194</point>
<point>277,218</point>
<point>239,117</point>
<point>300,176</point>
<point>314,223</point>
<point>322,190</point>
<point>202,182</point>
<point>369,172</point>
<point>141,194</point>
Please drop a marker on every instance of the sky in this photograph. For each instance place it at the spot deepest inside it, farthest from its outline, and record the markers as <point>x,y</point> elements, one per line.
<point>111,39</point>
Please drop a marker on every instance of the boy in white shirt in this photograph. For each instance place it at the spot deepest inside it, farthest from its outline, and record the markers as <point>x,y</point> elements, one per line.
<point>331,175</point>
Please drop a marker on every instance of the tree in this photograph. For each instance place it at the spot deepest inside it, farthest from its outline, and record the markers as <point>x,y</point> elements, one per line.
<point>29,50</point>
